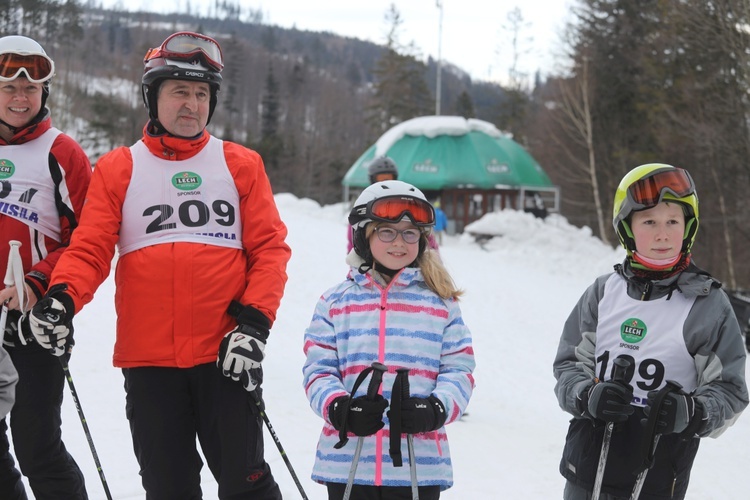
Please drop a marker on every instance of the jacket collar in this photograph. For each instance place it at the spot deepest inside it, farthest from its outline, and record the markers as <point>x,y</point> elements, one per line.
<point>169,147</point>
<point>692,282</point>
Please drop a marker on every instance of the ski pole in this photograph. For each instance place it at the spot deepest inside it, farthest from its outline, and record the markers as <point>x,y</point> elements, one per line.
<point>76,401</point>
<point>372,390</point>
<point>405,393</point>
<point>671,386</point>
<point>619,373</point>
<point>261,407</point>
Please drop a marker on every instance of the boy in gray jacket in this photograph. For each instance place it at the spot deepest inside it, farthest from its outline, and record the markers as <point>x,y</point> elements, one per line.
<point>673,328</point>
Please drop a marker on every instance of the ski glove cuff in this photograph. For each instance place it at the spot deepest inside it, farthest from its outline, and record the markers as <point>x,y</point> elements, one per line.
<point>422,415</point>
<point>51,320</point>
<point>610,401</point>
<point>365,416</point>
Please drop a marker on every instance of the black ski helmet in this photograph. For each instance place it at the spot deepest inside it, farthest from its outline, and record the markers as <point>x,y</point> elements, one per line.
<point>380,166</point>
<point>184,55</point>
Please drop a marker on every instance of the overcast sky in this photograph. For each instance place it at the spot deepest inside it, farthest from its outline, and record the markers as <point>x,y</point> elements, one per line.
<point>473,36</point>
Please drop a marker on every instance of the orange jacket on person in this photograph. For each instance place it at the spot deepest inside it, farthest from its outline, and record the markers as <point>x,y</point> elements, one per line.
<point>171,298</point>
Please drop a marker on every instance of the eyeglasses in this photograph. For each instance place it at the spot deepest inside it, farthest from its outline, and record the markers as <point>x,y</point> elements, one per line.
<point>389,234</point>
<point>649,191</point>
<point>395,208</point>
<point>185,46</point>
<point>38,68</point>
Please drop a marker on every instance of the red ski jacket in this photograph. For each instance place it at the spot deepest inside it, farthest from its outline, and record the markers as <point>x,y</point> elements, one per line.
<point>171,298</point>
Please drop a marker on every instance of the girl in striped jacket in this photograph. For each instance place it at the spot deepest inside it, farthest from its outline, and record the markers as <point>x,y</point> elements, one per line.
<point>398,306</point>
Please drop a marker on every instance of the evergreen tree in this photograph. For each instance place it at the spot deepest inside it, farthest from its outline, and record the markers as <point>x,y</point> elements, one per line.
<point>465,106</point>
<point>271,145</point>
<point>400,91</point>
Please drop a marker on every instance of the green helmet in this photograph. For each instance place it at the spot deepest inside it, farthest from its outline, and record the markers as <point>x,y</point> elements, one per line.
<point>645,187</point>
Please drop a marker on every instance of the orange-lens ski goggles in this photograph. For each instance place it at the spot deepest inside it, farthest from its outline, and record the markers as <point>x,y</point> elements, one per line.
<point>186,46</point>
<point>648,191</point>
<point>395,208</point>
<point>38,68</point>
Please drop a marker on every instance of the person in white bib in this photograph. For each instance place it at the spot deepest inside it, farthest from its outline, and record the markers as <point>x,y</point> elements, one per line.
<point>44,175</point>
<point>671,328</point>
<point>200,273</point>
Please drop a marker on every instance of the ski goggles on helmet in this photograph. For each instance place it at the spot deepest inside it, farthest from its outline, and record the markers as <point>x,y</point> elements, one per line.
<point>393,209</point>
<point>185,46</point>
<point>649,191</point>
<point>38,67</point>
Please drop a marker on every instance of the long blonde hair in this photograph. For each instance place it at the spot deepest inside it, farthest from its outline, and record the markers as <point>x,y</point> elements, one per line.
<point>436,276</point>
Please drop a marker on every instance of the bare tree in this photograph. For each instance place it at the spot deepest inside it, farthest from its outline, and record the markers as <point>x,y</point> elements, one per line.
<point>575,119</point>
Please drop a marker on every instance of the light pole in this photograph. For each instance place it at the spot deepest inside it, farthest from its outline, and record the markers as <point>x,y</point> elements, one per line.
<point>439,4</point>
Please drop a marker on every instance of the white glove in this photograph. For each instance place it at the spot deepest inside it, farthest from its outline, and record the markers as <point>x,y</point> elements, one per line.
<point>240,351</point>
<point>47,321</point>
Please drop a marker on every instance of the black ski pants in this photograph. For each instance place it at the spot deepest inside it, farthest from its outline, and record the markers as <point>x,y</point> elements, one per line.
<point>36,427</point>
<point>11,486</point>
<point>361,492</point>
<point>169,407</point>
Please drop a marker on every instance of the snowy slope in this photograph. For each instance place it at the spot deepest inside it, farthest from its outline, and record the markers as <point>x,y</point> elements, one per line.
<point>519,289</point>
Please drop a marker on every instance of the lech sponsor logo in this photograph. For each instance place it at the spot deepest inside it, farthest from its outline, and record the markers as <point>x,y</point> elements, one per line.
<point>633,330</point>
<point>186,181</point>
<point>426,166</point>
<point>6,169</point>
<point>495,167</point>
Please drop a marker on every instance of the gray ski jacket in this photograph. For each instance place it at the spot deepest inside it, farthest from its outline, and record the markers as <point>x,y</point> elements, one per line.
<point>713,339</point>
<point>8,380</point>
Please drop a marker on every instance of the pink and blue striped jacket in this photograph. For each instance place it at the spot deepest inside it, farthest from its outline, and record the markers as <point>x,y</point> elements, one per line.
<point>403,325</point>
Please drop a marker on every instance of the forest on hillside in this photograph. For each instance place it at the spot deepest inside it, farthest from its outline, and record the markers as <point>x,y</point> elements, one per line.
<point>647,81</point>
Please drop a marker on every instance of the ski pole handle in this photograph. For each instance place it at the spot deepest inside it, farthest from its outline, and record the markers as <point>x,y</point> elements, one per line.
<point>620,370</point>
<point>405,390</point>
<point>14,245</point>
<point>376,379</point>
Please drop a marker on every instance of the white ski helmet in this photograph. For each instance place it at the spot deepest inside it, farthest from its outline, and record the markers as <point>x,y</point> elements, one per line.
<point>20,55</point>
<point>389,201</point>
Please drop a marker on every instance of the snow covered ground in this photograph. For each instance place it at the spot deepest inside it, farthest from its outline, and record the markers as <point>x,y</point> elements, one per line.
<point>520,287</point>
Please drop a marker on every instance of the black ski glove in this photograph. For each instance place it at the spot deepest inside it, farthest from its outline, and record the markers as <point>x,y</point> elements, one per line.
<point>679,413</point>
<point>365,415</point>
<point>609,401</point>
<point>51,320</point>
<point>421,415</point>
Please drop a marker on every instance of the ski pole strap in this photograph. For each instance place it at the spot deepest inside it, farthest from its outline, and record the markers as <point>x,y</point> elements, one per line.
<point>343,439</point>
<point>372,390</point>
<point>400,387</point>
<point>650,436</point>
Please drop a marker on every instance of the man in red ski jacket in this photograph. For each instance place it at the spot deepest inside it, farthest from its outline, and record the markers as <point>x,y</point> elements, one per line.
<point>201,270</point>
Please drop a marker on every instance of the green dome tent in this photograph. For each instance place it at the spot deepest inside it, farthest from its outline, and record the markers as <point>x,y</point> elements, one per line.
<point>459,161</point>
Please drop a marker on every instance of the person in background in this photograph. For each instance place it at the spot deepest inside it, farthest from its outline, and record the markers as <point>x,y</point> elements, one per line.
<point>441,223</point>
<point>199,277</point>
<point>673,325</point>
<point>382,168</point>
<point>45,175</point>
<point>398,306</point>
